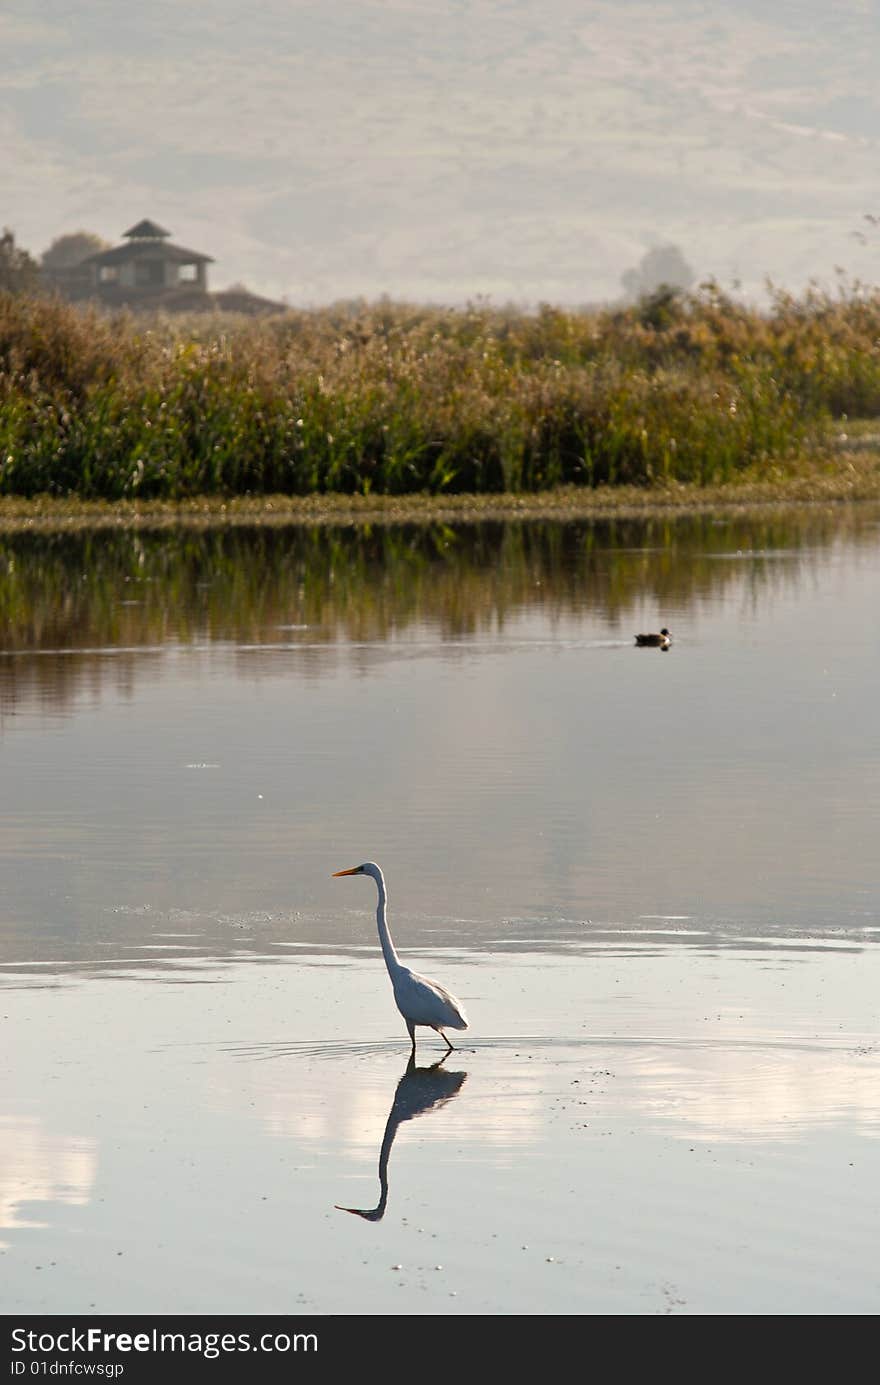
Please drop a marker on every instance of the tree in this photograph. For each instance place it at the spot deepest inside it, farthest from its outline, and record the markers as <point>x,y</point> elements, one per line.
<point>19,271</point>
<point>71,249</point>
<point>664,266</point>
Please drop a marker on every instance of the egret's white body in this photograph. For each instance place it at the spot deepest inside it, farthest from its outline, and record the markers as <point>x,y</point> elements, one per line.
<point>419,1000</point>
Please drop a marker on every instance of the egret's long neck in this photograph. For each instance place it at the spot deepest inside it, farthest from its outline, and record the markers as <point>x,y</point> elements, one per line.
<point>392,961</point>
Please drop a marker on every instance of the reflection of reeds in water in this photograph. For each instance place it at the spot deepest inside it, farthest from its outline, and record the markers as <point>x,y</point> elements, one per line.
<point>92,593</point>
<point>419,1090</point>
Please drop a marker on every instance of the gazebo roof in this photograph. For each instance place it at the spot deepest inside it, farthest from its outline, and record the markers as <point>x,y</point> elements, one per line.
<point>146,230</point>
<point>144,249</point>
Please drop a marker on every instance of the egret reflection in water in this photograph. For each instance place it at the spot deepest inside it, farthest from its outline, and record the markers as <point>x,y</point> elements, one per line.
<point>419,1090</point>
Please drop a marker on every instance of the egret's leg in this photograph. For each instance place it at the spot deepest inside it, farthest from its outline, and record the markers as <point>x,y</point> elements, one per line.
<point>412,1034</point>
<point>445,1040</point>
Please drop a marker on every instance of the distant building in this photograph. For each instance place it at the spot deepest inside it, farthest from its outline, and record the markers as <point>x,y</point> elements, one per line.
<point>149,274</point>
<point>146,272</point>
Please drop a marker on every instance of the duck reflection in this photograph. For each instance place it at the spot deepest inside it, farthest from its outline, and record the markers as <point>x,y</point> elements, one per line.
<point>418,1091</point>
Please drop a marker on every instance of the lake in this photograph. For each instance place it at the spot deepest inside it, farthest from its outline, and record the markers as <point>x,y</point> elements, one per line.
<point>651,877</point>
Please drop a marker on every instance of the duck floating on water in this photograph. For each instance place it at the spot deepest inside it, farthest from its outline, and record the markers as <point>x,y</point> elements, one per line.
<point>661,641</point>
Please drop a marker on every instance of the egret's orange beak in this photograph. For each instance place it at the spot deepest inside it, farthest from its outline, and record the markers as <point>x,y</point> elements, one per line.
<point>353,871</point>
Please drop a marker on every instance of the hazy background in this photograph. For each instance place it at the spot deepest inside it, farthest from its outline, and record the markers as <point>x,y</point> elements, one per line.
<point>524,149</point>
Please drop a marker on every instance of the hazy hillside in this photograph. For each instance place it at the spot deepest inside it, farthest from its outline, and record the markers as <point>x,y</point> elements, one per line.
<point>521,148</point>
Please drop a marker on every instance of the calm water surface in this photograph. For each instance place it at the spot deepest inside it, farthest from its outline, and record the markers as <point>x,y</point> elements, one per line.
<point>651,877</point>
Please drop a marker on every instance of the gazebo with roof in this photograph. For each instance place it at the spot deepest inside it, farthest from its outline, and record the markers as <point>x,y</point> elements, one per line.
<point>147,266</point>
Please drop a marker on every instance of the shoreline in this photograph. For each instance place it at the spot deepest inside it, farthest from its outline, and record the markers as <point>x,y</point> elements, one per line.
<point>854,483</point>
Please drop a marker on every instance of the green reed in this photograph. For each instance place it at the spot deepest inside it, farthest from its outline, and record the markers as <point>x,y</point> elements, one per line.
<point>396,399</point>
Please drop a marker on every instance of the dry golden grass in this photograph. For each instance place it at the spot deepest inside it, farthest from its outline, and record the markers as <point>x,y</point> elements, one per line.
<point>397,400</point>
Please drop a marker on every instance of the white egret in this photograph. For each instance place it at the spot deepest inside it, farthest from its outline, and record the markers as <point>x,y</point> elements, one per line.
<point>661,641</point>
<point>418,999</point>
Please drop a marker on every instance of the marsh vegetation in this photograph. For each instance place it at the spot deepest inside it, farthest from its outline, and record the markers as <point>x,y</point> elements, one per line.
<point>396,400</point>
